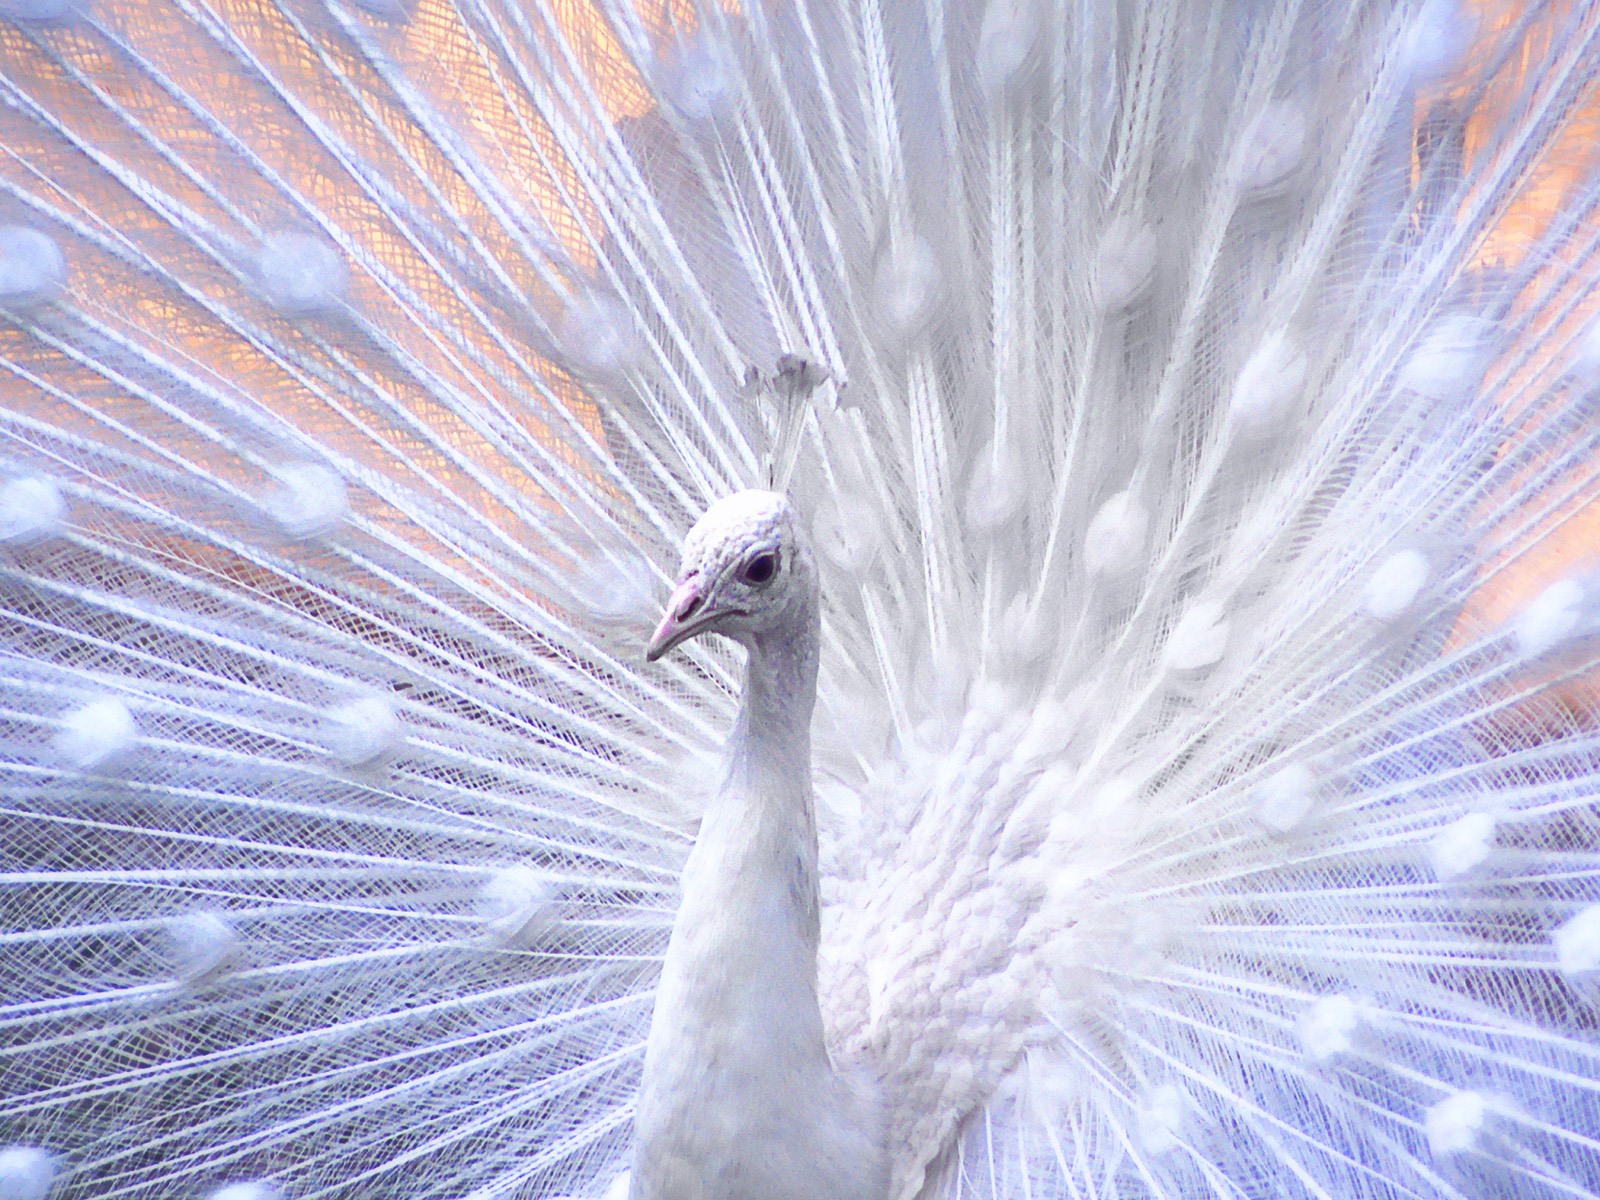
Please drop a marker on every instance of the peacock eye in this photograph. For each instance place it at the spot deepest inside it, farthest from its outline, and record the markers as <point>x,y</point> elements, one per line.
<point>760,569</point>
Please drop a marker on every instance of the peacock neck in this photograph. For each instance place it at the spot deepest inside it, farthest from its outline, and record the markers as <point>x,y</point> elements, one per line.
<point>769,749</point>
<point>764,809</point>
<point>740,1098</point>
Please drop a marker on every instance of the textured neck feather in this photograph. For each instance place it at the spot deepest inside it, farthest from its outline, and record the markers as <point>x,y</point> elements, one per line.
<point>763,813</point>
<point>769,750</point>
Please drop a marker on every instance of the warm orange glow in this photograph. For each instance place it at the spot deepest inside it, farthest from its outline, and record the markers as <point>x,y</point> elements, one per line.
<point>481,96</point>
<point>1554,307</point>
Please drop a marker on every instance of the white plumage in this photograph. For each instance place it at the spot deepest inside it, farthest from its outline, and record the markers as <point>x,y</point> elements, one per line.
<point>1190,411</point>
<point>739,1096</point>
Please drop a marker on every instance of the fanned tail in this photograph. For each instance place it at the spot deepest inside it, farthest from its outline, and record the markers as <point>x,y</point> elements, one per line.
<point>342,829</point>
<point>1194,406</point>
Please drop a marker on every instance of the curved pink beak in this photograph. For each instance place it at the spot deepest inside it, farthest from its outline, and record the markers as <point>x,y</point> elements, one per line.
<point>680,620</point>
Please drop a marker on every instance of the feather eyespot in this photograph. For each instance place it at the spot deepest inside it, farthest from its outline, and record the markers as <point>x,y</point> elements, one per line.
<point>760,570</point>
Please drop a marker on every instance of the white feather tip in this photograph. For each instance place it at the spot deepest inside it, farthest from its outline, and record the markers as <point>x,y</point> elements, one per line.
<point>1113,545</point>
<point>308,500</point>
<point>1272,379</point>
<point>1328,1028</point>
<point>518,905</point>
<point>26,1173</point>
<point>1563,611</point>
<point>1456,1124</point>
<point>204,947</point>
<point>253,1189</point>
<point>1272,149</point>
<point>1284,800</point>
<point>363,731</point>
<point>1199,639</point>
<point>1577,943</point>
<point>32,508</point>
<point>97,734</point>
<point>32,267</point>
<point>1007,42</point>
<point>1395,588</point>
<point>1163,1113</point>
<point>1461,846</point>
<point>300,275</point>
<point>1125,263</point>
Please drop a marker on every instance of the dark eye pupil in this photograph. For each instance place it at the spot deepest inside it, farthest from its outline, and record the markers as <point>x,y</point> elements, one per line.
<point>761,568</point>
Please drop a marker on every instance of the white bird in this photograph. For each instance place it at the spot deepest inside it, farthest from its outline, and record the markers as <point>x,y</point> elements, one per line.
<point>1147,451</point>
<point>739,1096</point>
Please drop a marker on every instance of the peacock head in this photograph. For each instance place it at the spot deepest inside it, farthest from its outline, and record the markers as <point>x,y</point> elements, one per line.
<point>746,571</point>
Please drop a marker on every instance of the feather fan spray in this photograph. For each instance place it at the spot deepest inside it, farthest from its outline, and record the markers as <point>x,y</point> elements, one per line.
<point>1192,407</point>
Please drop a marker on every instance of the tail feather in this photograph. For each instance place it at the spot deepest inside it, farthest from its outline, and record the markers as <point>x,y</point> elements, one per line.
<point>1194,408</point>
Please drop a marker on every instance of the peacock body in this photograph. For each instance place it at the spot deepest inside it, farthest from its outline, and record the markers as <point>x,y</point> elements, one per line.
<point>1191,411</point>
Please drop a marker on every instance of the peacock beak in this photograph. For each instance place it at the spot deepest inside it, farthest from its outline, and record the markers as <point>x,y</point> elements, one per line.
<point>684,617</point>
